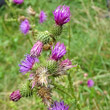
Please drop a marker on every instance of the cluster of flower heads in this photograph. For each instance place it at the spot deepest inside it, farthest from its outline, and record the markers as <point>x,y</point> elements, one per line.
<point>61,17</point>
<point>39,80</point>
<point>41,73</point>
<point>39,77</point>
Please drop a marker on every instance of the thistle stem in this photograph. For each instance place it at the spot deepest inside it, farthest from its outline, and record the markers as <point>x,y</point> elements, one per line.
<point>72,92</point>
<point>57,87</point>
<point>30,41</point>
<point>11,8</point>
<point>69,76</point>
<point>69,39</point>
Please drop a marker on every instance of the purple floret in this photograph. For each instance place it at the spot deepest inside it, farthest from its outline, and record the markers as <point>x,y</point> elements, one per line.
<point>27,64</point>
<point>42,17</point>
<point>59,106</point>
<point>62,15</point>
<point>58,52</point>
<point>15,96</point>
<point>18,1</point>
<point>25,26</point>
<point>90,83</point>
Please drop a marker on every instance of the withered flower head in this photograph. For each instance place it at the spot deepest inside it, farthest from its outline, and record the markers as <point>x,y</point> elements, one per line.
<point>41,77</point>
<point>30,11</point>
<point>45,94</point>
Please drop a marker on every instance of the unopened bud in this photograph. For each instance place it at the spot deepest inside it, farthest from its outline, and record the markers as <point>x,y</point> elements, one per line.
<point>26,90</point>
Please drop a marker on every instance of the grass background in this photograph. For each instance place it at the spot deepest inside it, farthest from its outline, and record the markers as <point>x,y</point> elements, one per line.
<point>89,47</point>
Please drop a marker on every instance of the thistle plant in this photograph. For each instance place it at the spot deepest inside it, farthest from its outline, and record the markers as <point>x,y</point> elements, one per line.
<point>42,74</point>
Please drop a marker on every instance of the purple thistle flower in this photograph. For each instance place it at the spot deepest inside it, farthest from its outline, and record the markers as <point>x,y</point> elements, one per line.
<point>36,49</point>
<point>90,83</point>
<point>59,106</point>
<point>25,26</point>
<point>15,96</point>
<point>58,52</point>
<point>66,64</point>
<point>18,1</point>
<point>27,64</point>
<point>42,17</point>
<point>62,15</point>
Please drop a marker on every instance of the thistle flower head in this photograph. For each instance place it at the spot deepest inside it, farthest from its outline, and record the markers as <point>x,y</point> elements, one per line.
<point>36,49</point>
<point>44,37</point>
<point>40,78</point>
<point>15,96</point>
<point>66,64</point>
<point>25,26</point>
<point>58,52</point>
<point>62,15</point>
<point>42,17</point>
<point>90,83</point>
<point>43,77</point>
<point>18,1</point>
<point>51,66</point>
<point>59,106</point>
<point>30,11</point>
<point>45,94</point>
<point>27,64</point>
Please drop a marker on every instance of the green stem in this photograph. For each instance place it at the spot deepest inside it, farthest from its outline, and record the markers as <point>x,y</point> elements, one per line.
<point>11,8</point>
<point>70,83</point>
<point>69,76</point>
<point>58,88</point>
<point>69,39</point>
<point>30,41</point>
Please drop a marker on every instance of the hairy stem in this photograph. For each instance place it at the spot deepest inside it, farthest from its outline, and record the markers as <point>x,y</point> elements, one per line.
<point>30,41</point>
<point>59,88</point>
<point>69,76</point>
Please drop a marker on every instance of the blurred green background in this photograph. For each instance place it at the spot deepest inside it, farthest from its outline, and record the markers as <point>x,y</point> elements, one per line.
<point>89,47</point>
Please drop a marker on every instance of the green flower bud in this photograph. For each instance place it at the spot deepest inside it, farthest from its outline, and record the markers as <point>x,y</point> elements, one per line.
<point>56,31</point>
<point>52,66</point>
<point>44,37</point>
<point>25,89</point>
